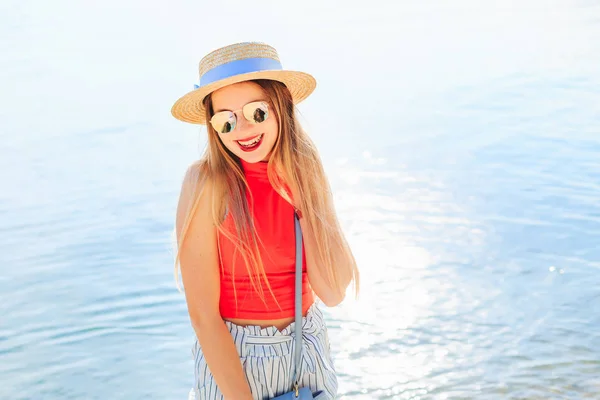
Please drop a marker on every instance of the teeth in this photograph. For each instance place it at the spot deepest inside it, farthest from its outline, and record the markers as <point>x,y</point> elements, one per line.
<point>251,142</point>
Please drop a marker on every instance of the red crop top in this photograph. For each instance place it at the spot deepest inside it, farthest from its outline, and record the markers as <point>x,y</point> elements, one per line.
<point>274,222</point>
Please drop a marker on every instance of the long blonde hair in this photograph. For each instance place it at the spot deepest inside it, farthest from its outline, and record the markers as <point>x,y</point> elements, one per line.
<point>294,167</point>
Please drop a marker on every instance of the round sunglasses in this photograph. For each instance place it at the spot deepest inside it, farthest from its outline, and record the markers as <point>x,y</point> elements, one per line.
<point>255,112</point>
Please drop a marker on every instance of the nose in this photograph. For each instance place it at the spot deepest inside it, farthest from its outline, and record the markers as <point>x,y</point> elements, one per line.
<point>243,125</point>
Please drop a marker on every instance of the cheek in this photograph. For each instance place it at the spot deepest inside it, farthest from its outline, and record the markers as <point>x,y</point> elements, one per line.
<point>273,129</point>
<point>228,142</point>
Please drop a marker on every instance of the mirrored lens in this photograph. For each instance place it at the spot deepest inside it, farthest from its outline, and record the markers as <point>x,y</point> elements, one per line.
<point>256,112</point>
<point>223,122</point>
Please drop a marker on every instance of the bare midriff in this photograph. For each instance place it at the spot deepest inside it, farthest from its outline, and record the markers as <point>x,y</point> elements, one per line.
<point>280,324</point>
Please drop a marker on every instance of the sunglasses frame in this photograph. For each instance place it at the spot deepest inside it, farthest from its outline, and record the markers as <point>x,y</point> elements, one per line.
<point>234,114</point>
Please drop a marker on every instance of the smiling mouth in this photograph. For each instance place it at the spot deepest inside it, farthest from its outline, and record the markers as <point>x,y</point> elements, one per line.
<point>249,145</point>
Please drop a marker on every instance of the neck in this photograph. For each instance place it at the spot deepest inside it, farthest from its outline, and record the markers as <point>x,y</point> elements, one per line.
<point>255,170</point>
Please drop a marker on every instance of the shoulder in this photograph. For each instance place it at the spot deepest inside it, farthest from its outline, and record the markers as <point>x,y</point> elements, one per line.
<point>195,191</point>
<point>194,172</point>
<point>195,179</point>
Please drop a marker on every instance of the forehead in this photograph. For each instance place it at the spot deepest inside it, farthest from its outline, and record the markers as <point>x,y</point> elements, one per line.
<point>235,96</point>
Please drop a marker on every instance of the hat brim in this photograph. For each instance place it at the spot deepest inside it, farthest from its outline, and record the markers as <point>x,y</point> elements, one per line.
<point>189,108</point>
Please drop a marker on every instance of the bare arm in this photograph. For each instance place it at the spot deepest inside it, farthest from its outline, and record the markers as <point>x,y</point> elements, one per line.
<point>200,276</point>
<point>331,296</point>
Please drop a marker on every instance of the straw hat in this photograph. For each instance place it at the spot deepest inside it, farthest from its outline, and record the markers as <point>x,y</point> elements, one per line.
<point>237,63</point>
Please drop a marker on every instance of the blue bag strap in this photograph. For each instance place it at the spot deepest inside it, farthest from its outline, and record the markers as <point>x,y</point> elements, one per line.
<point>298,312</point>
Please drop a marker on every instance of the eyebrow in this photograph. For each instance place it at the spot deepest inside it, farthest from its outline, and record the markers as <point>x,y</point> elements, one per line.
<point>226,109</point>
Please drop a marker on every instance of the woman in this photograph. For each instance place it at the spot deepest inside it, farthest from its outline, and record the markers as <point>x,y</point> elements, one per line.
<point>235,230</point>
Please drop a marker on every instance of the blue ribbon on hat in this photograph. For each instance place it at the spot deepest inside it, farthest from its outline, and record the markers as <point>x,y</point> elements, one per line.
<point>238,67</point>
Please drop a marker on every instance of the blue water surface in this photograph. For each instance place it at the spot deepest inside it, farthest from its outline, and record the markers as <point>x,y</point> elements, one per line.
<point>462,142</point>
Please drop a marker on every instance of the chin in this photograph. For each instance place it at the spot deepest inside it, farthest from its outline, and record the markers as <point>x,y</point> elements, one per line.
<point>253,158</point>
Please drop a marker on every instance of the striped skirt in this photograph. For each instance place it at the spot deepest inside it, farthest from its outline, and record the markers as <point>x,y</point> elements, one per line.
<point>267,357</point>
